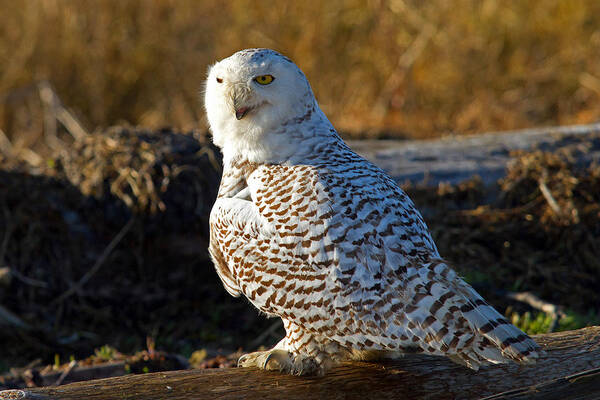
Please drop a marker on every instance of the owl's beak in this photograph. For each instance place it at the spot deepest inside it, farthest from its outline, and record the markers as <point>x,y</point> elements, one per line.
<point>241,112</point>
<point>240,97</point>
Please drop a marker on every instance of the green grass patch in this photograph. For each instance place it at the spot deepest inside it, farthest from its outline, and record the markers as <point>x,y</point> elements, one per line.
<point>541,322</point>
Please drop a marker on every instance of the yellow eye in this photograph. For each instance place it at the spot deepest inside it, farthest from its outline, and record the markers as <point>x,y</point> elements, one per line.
<point>264,79</point>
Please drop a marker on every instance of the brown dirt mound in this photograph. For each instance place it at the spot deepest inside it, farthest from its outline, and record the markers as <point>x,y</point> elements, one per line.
<point>108,244</point>
<point>537,230</point>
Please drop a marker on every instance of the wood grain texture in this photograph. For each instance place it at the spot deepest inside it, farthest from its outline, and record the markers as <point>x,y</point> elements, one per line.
<point>569,370</point>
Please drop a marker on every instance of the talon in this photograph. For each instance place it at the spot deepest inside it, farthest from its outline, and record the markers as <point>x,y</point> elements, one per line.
<point>242,360</point>
<point>281,360</point>
<point>264,366</point>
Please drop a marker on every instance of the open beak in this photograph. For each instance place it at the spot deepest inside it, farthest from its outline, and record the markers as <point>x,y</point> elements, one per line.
<point>241,96</point>
<point>241,112</point>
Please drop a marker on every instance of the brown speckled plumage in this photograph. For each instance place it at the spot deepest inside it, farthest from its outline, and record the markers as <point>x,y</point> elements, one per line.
<point>311,232</point>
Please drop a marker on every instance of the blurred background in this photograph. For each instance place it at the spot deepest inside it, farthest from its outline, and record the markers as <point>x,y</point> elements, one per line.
<point>103,232</point>
<point>396,68</point>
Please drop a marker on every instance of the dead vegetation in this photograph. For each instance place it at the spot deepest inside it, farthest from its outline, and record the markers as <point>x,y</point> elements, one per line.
<point>384,67</point>
<point>537,230</point>
<point>107,238</point>
<point>106,243</point>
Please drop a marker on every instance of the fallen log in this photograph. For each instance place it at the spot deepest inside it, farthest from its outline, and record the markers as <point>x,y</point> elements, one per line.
<point>455,159</point>
<point>569,369</point>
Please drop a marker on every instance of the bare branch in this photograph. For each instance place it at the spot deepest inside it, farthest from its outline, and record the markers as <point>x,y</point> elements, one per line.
<point>107,251</point>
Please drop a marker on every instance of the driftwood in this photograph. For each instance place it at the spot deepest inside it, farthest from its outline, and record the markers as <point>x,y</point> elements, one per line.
<point>455,159</point>
<point>570,369</point>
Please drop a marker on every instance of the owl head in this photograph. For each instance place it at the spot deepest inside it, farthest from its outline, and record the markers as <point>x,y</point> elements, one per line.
<point>251,95</point>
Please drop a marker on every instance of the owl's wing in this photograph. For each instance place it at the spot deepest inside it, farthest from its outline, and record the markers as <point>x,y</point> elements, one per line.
<point>317,248</point>
<point>346,256</point>
<point>235,228</point>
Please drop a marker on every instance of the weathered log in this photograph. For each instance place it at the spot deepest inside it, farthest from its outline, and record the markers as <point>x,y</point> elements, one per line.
<point>583,385</point>
<point>570,369</point>
<point>458,158</point>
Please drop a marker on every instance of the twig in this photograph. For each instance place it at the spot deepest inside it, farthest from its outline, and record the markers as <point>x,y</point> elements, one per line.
<point>54,105</point>
<point>590,81</point>
<point>50,106</point>
<point>549,198</point>
<point>71,123</point>
<point>65,373</point>
<point>211,158</point>
<point>31,157</point>
<point>10,319</point>
<point>405,61</point>
<point>6,146</point>
<point>34,363</point>
<point>27,280</point>
<point>532,300</point>
<point>111,246</point>
<point>261,338</point>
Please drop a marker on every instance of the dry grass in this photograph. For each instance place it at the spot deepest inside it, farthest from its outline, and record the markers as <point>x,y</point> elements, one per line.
<point>404,68</point>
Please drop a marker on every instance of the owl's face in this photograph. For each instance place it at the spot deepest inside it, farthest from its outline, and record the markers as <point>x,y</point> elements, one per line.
<point>252,92</point>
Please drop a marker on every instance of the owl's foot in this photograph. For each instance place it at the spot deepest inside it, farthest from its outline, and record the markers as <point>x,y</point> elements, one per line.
<point>271,360</point>
<point>283,361</point>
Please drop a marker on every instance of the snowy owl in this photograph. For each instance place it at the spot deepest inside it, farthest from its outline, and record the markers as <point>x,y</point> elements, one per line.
<point>312,233</point>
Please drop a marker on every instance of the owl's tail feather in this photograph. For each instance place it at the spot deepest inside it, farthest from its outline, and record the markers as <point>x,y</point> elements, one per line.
<point>496,339</point>
<point>465,327</point>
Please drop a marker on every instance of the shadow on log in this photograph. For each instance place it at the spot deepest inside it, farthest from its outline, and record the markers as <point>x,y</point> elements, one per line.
<point>570,369</point>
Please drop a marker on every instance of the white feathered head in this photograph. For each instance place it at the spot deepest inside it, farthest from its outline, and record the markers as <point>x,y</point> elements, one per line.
<point>252,96</point>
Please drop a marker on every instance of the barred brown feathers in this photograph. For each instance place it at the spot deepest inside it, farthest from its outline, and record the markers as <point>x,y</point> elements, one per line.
<point>314,234</point>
